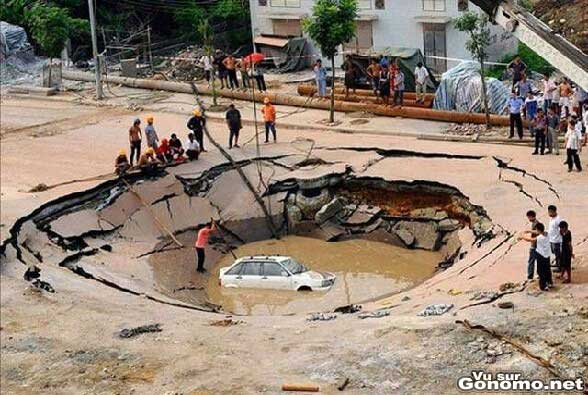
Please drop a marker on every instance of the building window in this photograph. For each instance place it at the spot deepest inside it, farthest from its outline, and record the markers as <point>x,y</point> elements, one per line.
<point>433,5</point>
<point>364,4</point>
<point>262,3</point>
<point>363,39</point>
<point>462,5</point>
<point>435,45</point>
<point>380,4</point>
<point>287,27</point>
<point>285,3</point>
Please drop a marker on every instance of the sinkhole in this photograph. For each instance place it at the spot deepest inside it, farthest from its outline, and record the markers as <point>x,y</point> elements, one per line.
<point>378,236</point>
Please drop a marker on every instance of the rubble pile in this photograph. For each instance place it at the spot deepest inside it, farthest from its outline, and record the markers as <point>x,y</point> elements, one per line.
<point>184,66</point>
<point>470,129</point>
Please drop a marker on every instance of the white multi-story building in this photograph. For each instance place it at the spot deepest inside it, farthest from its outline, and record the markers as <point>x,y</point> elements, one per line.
<point>422,24</point>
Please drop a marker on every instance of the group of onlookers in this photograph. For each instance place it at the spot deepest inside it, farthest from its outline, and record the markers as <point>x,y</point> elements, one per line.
<point>385,77</point>
<point>554,240</point>
<point>564,111</point>
<point>172,150</point>
<point>227,69</point>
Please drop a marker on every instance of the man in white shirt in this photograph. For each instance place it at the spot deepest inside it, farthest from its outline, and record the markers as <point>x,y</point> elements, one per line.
<point>542,252</point>
<point>554,235</point>
<point>548,89</point>
<point>192,147</point>
<point>573,145</point>
<point>420,76</point>
<point>206,62</point>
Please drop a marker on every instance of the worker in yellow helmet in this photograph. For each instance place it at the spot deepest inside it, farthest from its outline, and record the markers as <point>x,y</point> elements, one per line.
<point>121,163</point>
<point>148,162</point>
<point>196,124</point>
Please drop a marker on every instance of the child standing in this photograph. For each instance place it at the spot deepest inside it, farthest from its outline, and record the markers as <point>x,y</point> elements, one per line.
<point>567,252</point>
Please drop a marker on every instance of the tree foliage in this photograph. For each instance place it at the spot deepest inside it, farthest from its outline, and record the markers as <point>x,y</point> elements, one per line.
<point>231,10</point>
<point>332,23</point>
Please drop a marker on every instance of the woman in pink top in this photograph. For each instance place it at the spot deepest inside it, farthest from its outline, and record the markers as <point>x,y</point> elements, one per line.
<point>201,242</point>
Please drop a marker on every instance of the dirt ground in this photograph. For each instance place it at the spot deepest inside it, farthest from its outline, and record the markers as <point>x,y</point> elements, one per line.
<point>67,342</point>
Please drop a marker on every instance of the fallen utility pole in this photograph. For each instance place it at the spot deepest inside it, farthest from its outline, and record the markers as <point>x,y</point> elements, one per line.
<point>157,221</point>
<point>299,101</point>
<point>258,199</point>
<point>99,93</point>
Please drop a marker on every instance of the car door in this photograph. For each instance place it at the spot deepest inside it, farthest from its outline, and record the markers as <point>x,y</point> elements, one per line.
<point>274,276</point>
<point>251,275</point>
<point>232,277</point>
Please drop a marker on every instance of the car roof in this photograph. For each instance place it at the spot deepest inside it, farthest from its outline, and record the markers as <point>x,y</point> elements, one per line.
<point>273,258</point>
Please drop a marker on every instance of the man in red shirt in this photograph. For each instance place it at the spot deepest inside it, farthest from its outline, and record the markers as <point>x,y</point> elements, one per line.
<point>200,244</point>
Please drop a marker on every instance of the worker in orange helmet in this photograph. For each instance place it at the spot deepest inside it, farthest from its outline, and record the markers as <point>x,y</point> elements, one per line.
<point>269,116</point>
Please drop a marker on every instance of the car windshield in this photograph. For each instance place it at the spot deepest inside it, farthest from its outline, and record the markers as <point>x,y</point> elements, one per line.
<point>294,266</point>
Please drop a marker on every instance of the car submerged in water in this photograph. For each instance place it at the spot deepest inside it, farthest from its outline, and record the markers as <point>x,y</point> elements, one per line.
<point>274,272</point>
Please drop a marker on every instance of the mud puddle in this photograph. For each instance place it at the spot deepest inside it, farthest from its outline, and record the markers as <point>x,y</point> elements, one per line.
<point>365,270</point>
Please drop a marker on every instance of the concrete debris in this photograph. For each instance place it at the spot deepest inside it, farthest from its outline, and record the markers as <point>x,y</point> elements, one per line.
<point>329,210</point>
<point>448,225</point>
<point>363,215</point>
<point>225,322</point>
<point>348,309</point>
<point>406,236</point>
<point>507,286</point>
<point>481,295</point>
<point>311,205</point>
<point>426,235</point>
<point>43,285</point>
<point>435,309</point>
<point>374,314</point>
<point>321,317</point>
<point>127,333</point>
<point>332,231</point>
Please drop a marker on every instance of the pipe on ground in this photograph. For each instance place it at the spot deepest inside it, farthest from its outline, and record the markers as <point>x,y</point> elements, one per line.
<point>378,100</point>
<point>310,90</point>
<point>299,101</point>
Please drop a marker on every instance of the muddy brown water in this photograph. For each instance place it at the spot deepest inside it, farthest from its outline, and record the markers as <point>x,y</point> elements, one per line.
<point>365,270</point>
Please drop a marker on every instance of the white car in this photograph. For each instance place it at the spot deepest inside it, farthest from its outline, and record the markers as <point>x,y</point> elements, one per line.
<point>274,272</point>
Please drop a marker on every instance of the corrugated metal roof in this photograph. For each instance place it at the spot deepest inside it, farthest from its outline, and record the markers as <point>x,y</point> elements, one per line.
<point>271,41</point>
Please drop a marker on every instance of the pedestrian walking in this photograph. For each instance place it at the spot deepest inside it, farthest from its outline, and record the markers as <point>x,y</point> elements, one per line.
<point>399,88</point>
<point>233,117</point>
<point>517,67</point>
<point>542,254</point>
<point>320,76</point>
<point>514,105</point>
<point>539,130</point>
<point>553,125</point>
<point>196,124</point>
<point>573,146</point>
<point>135,140</point>
<point>201,243</point>
<point>532,218</point>
<point>230,64</point>
<point>373,71</point>
<point>548,90</point>
<point>421,75</point>
<point>554,235</point>
<point>269,117</point>
<point>151,134</point>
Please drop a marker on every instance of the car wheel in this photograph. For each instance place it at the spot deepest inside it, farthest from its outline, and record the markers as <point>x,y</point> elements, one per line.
<point>305,288</point>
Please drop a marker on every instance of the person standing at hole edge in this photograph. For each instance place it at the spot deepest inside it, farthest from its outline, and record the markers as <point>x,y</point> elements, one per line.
<point>201,243</point>
<point>543,253</point>
<point>234,123</point>
<point>135,140</point>
<point>151,134</point>
<point>555,237</point>
<point>196,125</point>
<point>532,217</point>
<point>269,116</point>
<point>567,252</point>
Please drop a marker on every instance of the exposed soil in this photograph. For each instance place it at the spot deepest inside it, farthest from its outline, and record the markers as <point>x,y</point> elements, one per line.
<point>567,17</point>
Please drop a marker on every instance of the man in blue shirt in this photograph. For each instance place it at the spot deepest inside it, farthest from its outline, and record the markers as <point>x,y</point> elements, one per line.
<point>514,106</point>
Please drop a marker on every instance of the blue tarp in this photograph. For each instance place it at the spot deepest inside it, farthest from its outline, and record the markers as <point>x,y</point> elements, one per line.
<point>460,89</point>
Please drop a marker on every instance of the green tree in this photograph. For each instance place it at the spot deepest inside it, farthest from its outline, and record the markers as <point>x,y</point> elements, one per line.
<point>189,19</point>
<point>332,24</point>
<point>205,31</point>
<point>476,26</point>
<point>231,10</point>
